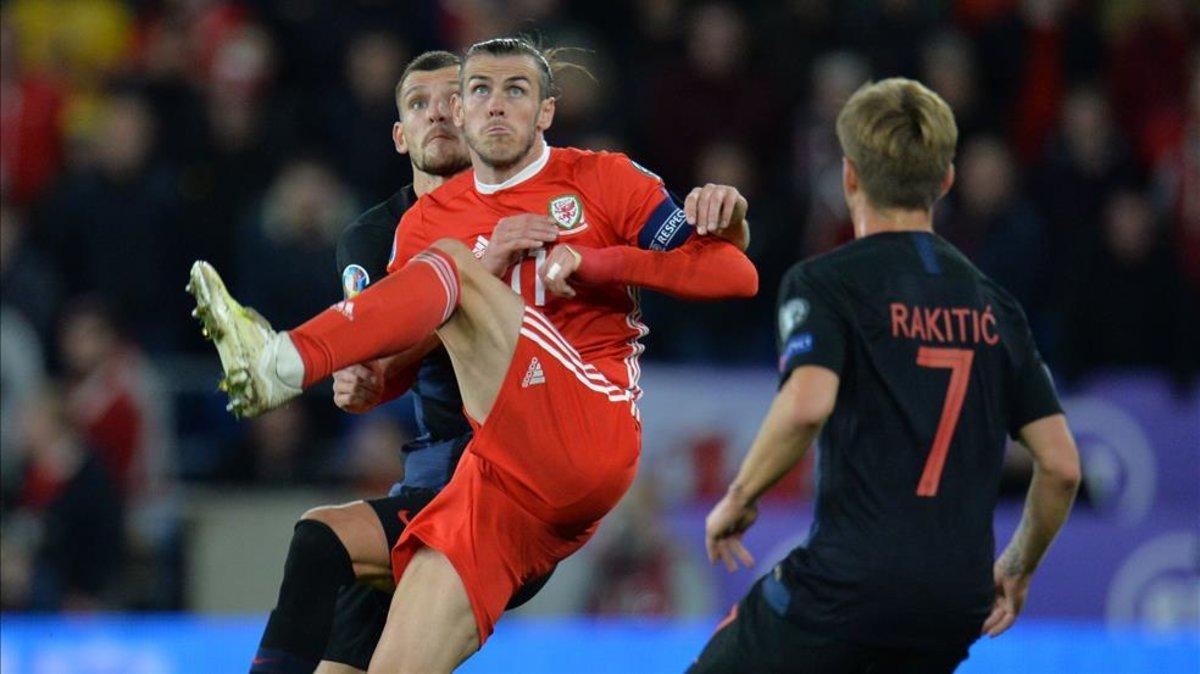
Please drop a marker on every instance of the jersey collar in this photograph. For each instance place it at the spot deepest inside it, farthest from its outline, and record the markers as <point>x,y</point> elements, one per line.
<point>523,175</point>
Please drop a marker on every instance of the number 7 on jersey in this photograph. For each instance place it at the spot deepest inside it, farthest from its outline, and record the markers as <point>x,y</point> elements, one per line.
<point>958,361</point>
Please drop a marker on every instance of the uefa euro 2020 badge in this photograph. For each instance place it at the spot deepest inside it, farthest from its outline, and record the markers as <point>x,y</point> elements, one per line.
<point>791,315</point>
<point>567,212</point>
<point>354,279</point>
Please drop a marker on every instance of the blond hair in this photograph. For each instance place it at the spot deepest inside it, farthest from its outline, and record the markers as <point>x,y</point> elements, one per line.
<point>900,136</point>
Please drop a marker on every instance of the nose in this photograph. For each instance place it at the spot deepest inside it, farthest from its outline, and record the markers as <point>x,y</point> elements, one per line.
<point>495,106</point>
<point>439,111</point>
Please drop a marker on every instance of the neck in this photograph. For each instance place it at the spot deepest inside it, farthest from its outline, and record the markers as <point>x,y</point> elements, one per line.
<point>868,220</point>
<point>425,182</point>
<point>494,175</point>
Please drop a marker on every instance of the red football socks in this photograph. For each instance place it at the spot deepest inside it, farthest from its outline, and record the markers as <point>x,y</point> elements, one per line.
<point>387,317</point>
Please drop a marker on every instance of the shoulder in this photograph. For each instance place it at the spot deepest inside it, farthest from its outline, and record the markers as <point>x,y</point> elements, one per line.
<point>383,215</point>
<point>826,266</point>
<point>605,165</point>
<point>375,224</point>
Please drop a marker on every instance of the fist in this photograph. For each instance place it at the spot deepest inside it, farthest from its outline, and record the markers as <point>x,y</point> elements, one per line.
<point>357,388</point>
<point>713,207</point>
<point>515,235</point>
<point>560,264</point>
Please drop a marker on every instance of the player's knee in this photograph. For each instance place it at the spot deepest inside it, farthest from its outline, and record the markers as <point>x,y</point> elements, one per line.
<point>316,543</point>
<point>324,514</point>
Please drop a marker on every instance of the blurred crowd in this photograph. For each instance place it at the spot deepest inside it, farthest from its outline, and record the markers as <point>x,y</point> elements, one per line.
<point>139,135</point>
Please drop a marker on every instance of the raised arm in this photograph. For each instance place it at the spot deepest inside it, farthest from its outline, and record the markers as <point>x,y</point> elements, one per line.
<point>704,268</point>
<point>706,265</point>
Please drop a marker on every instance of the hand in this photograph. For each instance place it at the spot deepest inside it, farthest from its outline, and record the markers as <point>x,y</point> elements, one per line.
<point>712,208</point>
<point>513,236</point>
<point>358,388</point>
<point>562,261</point>
<point>723,530</point>
<point>1011,588</point>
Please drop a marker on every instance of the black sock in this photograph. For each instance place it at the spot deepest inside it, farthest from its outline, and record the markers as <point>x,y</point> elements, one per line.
<point>298,629</point>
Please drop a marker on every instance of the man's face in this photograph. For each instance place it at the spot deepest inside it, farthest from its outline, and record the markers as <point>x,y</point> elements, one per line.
<point>425,130</point>
<point>499,110</point>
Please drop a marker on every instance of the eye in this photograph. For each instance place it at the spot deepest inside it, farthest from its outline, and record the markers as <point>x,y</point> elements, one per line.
<point>418,104</point>
<point>480,90</point>
<point>515,90</point>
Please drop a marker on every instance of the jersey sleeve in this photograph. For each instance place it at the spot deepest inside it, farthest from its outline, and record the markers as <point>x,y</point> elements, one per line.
<point>1033,395</point>
<point>638,204</point>
<point>811,332</point>
<point>362,250</point>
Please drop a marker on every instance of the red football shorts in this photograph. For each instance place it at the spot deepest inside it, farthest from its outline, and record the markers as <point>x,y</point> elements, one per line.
<point>556,453</point>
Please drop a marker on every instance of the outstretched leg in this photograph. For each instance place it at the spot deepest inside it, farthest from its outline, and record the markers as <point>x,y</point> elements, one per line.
<point>443,288</point>
<point>478,319</point>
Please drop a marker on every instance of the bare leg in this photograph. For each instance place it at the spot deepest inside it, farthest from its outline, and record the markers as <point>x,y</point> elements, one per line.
<point>482,334</point>
<point>431,626</point>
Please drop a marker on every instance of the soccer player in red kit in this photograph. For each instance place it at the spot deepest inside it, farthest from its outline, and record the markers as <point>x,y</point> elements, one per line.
<point>548,373</point>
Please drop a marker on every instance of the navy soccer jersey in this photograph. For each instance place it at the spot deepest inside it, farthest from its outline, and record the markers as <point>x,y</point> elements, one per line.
<point>937,367</point>
<point>443,431</point>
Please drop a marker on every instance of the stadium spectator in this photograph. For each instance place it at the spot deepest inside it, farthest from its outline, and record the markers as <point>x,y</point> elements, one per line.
<point>816,157</point>
<point>994,225</point>
<point>21,375</point>
<point>1029,56</point>
<point>711,87</point>
<point>112,227</point>
<point>30,141</point>
<point>69,499</point>
<point>1087,159</point>
<point>114,399</point>
<point>360,119</point>
<point>948,66</point>
<point>290,238</point>
<point>29,280</point>
<point>1127,306</point>
<point>1149,46</point>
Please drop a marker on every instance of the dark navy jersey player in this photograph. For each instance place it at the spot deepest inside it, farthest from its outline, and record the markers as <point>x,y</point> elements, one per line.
<point>914,369</point>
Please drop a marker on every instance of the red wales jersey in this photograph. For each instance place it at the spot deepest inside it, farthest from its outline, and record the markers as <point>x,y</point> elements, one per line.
<point>597,199</point>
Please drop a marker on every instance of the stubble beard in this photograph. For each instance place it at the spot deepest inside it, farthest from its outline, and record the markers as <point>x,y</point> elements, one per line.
<point>496,158</point>
<point>444,165</point>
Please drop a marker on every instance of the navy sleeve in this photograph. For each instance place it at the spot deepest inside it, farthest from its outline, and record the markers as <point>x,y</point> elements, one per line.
<point>363,248</point>
<point>811,332</point>
<point>1033,395</point>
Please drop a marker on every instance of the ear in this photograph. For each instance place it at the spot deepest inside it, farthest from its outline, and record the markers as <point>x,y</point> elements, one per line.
<point>456,110</point>
<point>398,138</point>
<point>849,177</point>
<point>545,114</point>
<point>948,181</point>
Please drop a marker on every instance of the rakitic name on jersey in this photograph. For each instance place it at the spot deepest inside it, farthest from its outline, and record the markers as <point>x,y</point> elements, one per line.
<point>963,325</point>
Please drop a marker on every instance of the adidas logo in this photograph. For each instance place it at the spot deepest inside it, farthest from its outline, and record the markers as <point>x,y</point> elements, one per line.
<point>533,375</point>
<point>345,308</point>
<point>481,245</point>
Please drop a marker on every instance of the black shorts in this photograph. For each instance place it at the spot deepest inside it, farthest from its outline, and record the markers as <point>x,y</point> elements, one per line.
<point>755,637</point>
<point>361,610</point>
